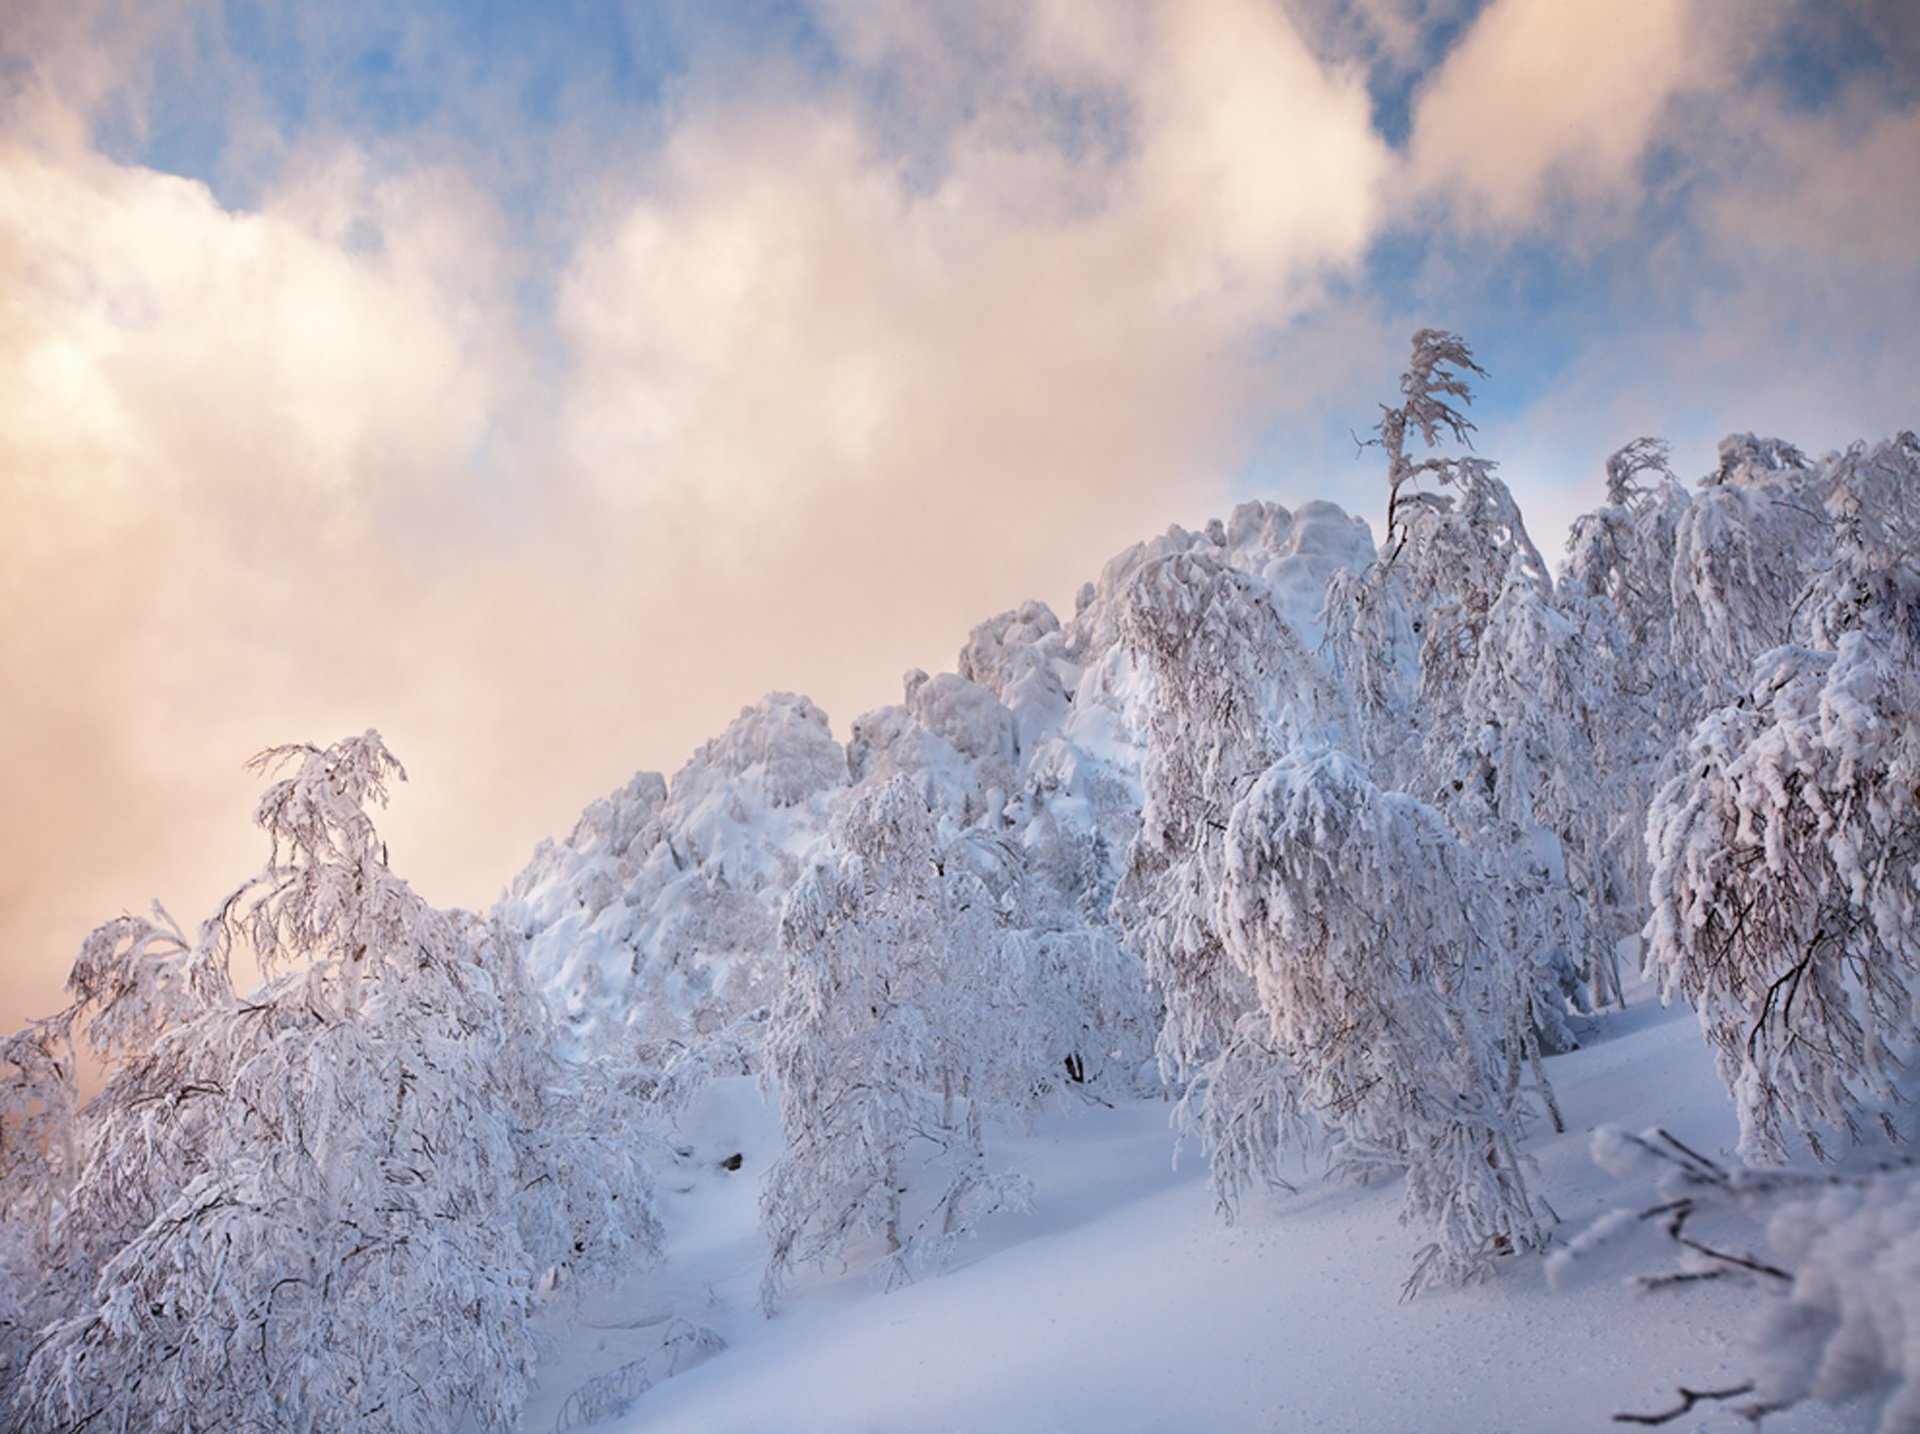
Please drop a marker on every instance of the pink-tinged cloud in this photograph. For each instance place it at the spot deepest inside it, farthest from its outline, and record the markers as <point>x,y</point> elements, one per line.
<point>1547,104</point>
<point>818,370</point>
<point>801,417</point>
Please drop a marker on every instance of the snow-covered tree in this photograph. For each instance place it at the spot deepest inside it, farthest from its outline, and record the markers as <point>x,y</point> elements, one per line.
<point>1020,657</point>
<point>1474,693</point>
<point>951,737</point>
<point>1403,635</point>
<point>1445,647</point>
<point>1616,590</point>
<point>1745,548</point>
<point>1623,551</point>
<point>900,1034</point>
<point>1359,919</point>
<point>1434,380</point>
<point>1087,1016</point>
<point>38,1161</point>
<point>1786,851</point>
<point>653,927</point>
<point>1232,688</point>
<point>329,1202</point>
<point>1525,769</point>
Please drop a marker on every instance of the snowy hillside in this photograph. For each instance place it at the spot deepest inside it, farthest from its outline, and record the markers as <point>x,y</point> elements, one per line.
<point>837,1085</point>
<point>1122,1304</point>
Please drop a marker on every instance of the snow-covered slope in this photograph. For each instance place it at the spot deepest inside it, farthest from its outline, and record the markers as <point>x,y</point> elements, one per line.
<point>655,918</point>
<point>1105,781</point>
<point>1327,899</point>
<point>1124,1304</point>
<point>657,915</point>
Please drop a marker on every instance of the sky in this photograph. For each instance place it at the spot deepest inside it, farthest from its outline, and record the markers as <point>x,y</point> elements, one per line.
<point>540,384</point>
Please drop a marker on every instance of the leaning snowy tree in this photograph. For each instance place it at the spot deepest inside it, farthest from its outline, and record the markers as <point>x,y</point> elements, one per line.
<point>1786,853</point>
<point>1360,921</point>
<point>1411,614</point>
<point>902,1031</point>
<point>1621,557</point>
<point>1435,377</point>
<point>1474,693</point>
<point>1404,633</point>
<point>331,1202</point>
<point>1616,590</point>
<point>1755,534</point>
<point>1233,687</point>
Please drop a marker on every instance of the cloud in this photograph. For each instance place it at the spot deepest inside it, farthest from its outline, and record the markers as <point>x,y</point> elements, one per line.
<point>205,418</point>
<point>1829,199</point>
<point>62,64</point>
<point>1395,39</point>
<point>1264,164</point>
<point>827,376</point>
<point>787,306</point>
<point>1545,102</point>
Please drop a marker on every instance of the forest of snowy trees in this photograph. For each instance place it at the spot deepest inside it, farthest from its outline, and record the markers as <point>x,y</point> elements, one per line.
<point>1333,843</point>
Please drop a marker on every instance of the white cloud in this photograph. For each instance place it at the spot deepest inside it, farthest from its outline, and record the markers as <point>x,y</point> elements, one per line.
<point>204,419</point>
<point>781,308</point>
<point>1545,100</point>
<point>1263,165</point>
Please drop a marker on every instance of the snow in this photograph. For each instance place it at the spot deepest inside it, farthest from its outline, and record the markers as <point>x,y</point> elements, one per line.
<point>944,948</point>
<point>1123,1303</point>
<point>1106,750</point>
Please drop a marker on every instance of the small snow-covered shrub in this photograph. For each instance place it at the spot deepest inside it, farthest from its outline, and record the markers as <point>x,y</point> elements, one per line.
<point>1840,1262</point>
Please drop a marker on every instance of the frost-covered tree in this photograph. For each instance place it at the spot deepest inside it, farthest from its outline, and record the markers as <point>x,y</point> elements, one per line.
<point>331,1201</point>
<point>900,1034</point>
<point>1623,551</point>
<point>1474,692</point>
<point>1745,548</point>
<point>1786,851</point>
<point>1232,688</point>
<point>953,738</point>
<point>1525,769</point>
<point>653,927</point>
<point>1359,919</point>
<point>1445,647</point>
<point>1403,635</point>
<point>1617,591</point>
<point>38,1161</point>
<point>1086,1016</point>
<point>1434,381</point>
